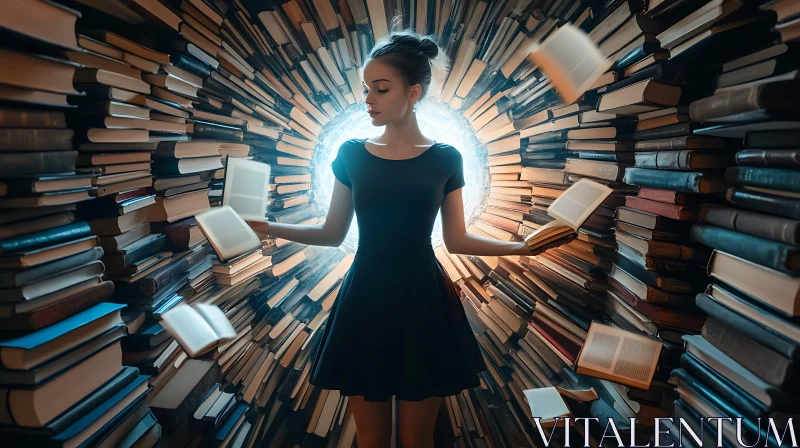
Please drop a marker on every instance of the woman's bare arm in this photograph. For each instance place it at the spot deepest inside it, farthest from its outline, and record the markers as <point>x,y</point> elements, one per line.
<point>458,241</point>
<point>330,233</point>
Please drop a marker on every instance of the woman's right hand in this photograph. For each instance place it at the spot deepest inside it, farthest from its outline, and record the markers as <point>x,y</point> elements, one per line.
<point>261,227</point>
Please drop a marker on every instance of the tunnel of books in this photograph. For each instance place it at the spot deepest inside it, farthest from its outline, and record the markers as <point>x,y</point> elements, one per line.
<point>677,301</point>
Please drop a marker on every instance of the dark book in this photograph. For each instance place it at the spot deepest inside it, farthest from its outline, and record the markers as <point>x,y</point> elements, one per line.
<point>32,140</point>
<point>685,160</point>
<point>750,319</point>
<point>190,64</point>
<point>216,132</point>
<point>17,278</point>
<point>146,339</point>
<point>771,254</point>
<point>776,205</point>
<point>651,221</point>
<point>135,252</point>
<point>773,178</point>
<point>768,365</point>
<point>687,284</point>
<point>740,130</point>
<point>692,182</point>
<point>45,238</point>
<point>179,398</point>
<point>152,284</point>
<point>21,164</point>
<point>771,97</point>
<point>760,225</point>
<point>789,158</point>
<point>659,265</point>
<point>665,132</point>
<point>660,315</point>
<point>772,139</point>
<point>671,197</point>
<point>649,294</point>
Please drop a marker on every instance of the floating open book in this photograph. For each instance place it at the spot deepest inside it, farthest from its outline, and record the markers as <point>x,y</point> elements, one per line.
<point>227,232</point>
<point>619,356</point>
<point>246,188</point>
<point>570,210</point>
<point>571,62</point>
<point>197,328</point>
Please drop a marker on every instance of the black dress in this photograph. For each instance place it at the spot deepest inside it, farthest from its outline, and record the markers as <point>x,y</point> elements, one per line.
<point>397,326</point>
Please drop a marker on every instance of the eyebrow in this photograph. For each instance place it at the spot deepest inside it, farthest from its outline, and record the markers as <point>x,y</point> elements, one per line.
<point>377,81</point>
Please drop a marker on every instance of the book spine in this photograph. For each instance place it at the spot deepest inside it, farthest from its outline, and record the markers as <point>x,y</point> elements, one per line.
<point>769,227</point>
<point>667,144</point>
<point>673,160</point>
<point>676,130</point>
<point>766,157</point>
<point>45,238</point>
<point>36,139</point>
<point>678,181</point>
<point>785,207</point>
<point>190,65</point>
<point>777,96</point>
<point>69,306</point>
<point>759,333</point>
<point>152,284</point>
<point>767,253</point>
<point>204,131</point>
<point>775,178</point>
<point>766,364</point>
<point>673,211</point>
<point>37,163</point>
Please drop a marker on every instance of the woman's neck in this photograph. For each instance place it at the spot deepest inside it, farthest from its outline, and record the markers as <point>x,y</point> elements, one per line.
<point>404,132</point>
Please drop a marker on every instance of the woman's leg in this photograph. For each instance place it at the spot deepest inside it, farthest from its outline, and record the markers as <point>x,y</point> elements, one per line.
<point>416,422</point>
<point>373,422</point>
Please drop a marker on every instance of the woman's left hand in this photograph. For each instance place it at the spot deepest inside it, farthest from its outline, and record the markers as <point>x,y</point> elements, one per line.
<point>524,250</point>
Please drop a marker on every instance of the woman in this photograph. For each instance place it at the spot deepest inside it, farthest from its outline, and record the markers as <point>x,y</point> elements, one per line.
<point>397,326</point>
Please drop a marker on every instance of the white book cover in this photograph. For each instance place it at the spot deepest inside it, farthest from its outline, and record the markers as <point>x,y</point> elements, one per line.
<point>197,328</point>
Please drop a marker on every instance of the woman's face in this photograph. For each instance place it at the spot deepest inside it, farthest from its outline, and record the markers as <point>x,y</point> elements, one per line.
<point>388,97</point>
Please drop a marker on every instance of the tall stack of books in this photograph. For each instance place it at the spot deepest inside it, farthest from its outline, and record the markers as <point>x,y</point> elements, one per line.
<point>61,343</point>
<point>750,338</point>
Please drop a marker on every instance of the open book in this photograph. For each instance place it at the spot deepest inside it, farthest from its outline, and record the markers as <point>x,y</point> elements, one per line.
<point>197,328</point>
<point>246,188</point>
<point>570,210</point>
<point>619,356</point>
<point>571,61</point>
<point>227,232</point>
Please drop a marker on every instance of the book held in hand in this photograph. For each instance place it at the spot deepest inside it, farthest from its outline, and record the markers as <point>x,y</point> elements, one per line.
<point>246,188</point>
<point>570,210</point>
<point>197,328</point>
<point>227,232</point>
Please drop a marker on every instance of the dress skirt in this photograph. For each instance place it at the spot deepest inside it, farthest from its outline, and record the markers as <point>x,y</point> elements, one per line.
<point>397,327</point>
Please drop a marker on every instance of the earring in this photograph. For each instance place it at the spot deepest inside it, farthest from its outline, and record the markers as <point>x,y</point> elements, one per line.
<point>415,108</point>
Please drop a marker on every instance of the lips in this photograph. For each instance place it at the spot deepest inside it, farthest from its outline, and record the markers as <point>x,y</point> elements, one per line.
<point>373,113</point>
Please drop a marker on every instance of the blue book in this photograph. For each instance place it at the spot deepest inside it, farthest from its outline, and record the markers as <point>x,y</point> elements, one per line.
<point>12,351</point>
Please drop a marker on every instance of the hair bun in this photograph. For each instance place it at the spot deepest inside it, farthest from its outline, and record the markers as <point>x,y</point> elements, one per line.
<point>429,47</point>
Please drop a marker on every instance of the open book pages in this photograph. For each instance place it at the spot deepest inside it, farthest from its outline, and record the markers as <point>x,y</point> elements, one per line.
<point>197,328</point>
<point>546,403</point>
<point>620,356</point>
<point>246,188</point>
<point>571,61</point>
<point>227,232</point>
<point>570,210</point>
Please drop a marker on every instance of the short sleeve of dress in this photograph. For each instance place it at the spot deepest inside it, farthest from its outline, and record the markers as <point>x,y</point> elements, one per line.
<point>456,179</point>
<point>339,169</point>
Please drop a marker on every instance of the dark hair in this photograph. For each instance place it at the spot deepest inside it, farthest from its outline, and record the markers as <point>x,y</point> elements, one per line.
<point>413,55</point>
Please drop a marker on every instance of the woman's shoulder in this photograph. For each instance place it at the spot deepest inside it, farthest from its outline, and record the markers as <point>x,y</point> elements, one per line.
<point>348,146</point>
<point>449,151</point>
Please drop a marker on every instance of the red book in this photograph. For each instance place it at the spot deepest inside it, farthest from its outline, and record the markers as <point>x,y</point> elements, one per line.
<point>566,347</point>
<point>670,197</point>
<point>679,212</point>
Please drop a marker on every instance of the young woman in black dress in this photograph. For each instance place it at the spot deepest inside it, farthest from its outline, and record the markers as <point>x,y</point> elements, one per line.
<point>397,326</point>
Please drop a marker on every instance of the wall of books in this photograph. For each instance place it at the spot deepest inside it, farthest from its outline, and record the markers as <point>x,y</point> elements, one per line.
<point>118,117</point>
